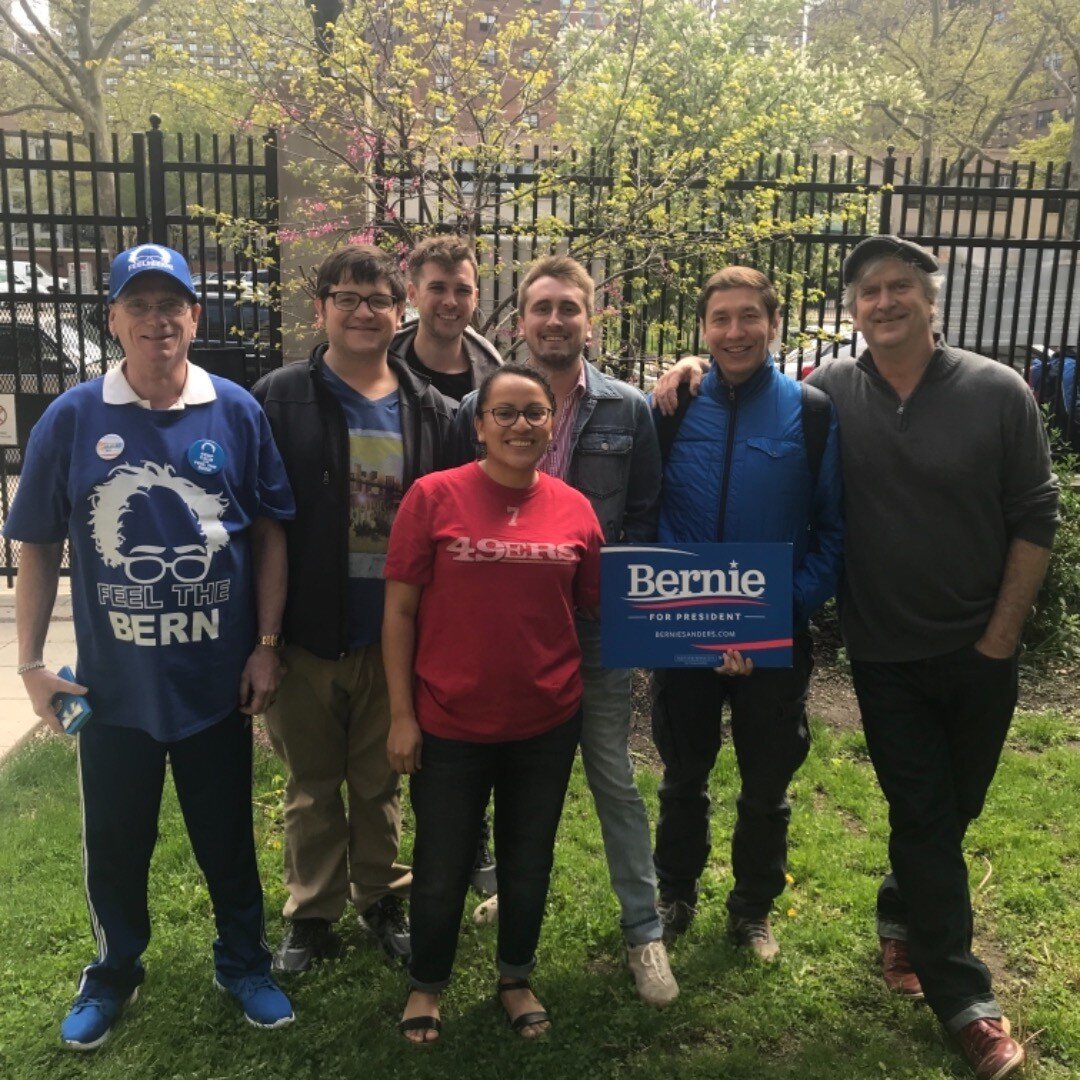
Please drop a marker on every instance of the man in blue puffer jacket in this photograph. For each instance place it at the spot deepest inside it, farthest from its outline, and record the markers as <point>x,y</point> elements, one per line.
<point>744,466</point>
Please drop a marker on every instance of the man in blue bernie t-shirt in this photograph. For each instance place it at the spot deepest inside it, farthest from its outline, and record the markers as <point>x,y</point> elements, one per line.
<point>166,484</point>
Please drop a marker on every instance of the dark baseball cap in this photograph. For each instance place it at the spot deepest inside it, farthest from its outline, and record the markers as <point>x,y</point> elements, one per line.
<point>129,264</point>
<point>893,247</point>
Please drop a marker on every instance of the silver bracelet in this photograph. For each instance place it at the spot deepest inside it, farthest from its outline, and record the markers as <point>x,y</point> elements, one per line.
<point>31,665</point>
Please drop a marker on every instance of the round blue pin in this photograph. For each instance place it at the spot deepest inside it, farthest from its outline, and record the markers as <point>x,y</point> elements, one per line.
<point>206,457</point>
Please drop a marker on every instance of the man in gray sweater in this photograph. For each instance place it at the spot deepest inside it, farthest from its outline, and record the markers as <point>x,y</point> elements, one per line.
<point>950,510</point>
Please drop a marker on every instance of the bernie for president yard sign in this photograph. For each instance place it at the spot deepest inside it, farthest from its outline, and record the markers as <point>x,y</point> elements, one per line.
<point>685,605</point>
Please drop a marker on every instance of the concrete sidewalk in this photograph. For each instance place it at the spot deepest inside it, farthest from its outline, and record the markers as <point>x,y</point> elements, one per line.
<point>17,719</point>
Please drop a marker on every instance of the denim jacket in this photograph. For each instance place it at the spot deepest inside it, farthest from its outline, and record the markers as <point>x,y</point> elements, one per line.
<point>614,456</point>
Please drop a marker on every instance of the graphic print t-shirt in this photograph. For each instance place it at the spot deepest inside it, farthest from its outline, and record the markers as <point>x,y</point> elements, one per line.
<point>156,505</point>
<point>376,479</point>
<point>502,569</point>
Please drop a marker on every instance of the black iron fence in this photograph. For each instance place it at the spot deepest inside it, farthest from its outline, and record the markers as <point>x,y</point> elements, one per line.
<point>68,204</point>
<point>1007,234</point>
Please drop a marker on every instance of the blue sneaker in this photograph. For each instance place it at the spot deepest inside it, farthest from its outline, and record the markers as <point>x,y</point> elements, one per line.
<point>264,1004</point>
<point>91,1019</point>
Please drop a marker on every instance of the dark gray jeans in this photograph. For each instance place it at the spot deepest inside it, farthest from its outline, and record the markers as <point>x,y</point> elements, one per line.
<point>771,737</point>
<point>935,729</point>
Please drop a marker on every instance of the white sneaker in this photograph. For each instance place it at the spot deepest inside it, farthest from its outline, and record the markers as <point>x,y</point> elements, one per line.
<point>487,913</point>
<point>649,964</point>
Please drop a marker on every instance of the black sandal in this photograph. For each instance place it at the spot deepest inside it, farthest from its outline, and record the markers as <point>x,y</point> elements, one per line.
<point>420,1023</point>
<point>526,1019</point>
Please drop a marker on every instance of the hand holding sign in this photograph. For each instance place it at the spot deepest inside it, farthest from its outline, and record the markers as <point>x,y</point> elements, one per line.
<point>735,664</point>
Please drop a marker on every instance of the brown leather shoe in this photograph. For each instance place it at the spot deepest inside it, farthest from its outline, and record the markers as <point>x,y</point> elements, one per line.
<point>755,935</point>
<point>897,971</point>
<point>989,1049</point>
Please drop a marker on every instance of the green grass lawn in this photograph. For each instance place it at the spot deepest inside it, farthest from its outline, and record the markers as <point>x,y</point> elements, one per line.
<point>821,1012</point>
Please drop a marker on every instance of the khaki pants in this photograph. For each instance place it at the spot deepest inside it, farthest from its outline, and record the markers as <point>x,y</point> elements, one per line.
<point>329,726</point>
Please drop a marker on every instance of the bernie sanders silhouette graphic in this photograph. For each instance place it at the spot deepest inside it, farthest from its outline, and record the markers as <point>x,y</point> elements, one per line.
<point>151,522</point>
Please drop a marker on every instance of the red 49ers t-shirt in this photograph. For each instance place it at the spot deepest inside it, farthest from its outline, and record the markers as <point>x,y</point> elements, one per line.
<point>497,656</point>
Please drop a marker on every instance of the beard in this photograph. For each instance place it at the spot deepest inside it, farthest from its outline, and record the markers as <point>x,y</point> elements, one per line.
<point>561,359</point>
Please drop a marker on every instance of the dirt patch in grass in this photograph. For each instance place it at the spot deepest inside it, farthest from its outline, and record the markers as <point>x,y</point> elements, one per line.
<point>601,965</point>
<point>1053,686</point>
<point>993,956</point>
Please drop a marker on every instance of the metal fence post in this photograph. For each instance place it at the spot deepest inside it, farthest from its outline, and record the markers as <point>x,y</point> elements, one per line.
<point>888,174</point>
<point>155,144</point>
<point>271,213</point>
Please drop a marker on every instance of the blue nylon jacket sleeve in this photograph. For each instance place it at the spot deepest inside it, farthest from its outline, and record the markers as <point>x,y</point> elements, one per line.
<point>818,576</point>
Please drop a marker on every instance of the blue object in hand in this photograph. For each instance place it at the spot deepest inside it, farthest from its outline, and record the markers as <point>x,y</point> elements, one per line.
<point>72,710</point>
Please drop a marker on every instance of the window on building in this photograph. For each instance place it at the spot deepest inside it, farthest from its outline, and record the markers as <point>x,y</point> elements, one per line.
<point>487,23</point>
<point>1043,118</point>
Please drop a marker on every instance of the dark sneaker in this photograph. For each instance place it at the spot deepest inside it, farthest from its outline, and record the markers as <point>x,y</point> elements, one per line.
<point>305,941</point>
<point>755,935</point>
<point>91,1019</point>
<point>675,918</point>
<point>896,969</point>
<point>482,878</point>
<point>990,1049</point>
<point>387,920</point>
<point>263,1001</point>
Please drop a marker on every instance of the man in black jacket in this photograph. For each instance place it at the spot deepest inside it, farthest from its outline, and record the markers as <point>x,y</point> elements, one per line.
<point>440,344</point>
<point>355,427</point>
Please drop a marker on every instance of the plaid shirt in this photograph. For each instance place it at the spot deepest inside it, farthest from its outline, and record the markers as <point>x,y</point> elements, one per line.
<point>556,459</point>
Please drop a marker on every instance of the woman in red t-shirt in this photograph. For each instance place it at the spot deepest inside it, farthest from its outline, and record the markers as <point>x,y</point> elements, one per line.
<point>485,567</point>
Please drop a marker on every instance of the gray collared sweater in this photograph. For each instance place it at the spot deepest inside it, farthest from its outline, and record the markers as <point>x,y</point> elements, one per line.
<point>935,490</point>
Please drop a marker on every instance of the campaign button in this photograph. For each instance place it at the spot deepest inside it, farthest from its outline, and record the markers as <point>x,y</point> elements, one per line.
<point>109,447</point>
<point>206,457</point>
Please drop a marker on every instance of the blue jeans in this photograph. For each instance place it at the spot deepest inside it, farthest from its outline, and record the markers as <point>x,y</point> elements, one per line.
<point>121,775</point>
<point>935,729</point>
<point>449,794</point>
<point>624,823</point>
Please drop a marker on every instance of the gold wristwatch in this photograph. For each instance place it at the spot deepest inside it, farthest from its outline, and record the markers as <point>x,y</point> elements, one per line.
<point>271,641</point>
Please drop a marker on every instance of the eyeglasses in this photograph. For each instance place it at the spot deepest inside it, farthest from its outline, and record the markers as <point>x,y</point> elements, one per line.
<point>169,308</point>
<point>378,303</point>
<point>507,415</point>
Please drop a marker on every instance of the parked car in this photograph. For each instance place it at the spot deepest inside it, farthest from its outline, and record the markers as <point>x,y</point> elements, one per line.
<point>820,350</point>
<point>62,351</point>
<point>35,359</point>
<point>234,308</point>
<point>29,277</point>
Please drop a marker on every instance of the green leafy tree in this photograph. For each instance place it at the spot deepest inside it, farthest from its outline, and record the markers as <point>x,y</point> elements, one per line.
<point>58,67</point>
<point>1060,19</point>
<point>1055,146</point>
<point>611,133</point>
<point>968,65</point>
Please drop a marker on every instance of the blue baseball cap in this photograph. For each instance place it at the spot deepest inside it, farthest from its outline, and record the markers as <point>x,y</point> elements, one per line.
<point>129,264</point>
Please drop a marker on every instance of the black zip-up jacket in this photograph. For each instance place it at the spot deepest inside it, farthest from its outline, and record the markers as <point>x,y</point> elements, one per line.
<point>309,428</point>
